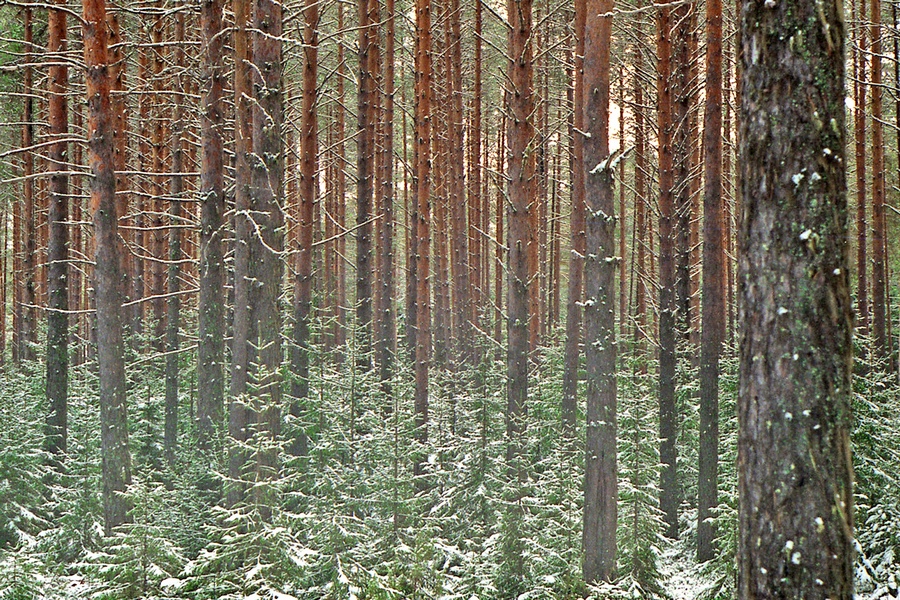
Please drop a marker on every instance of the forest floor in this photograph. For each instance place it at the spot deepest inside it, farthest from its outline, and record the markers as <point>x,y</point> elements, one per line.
<point>680,575</point>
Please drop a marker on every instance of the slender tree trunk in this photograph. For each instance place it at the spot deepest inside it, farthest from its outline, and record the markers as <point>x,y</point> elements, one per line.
<point>600,474</point>
<point>176,189</point>
<point>116,459</point>
<point>211,303</point>
<point>58,240</point>
<point>879,281</point>
<point>859,126</point>
<point>794,464</point>
<point>668,413</point>
<point>160,153</point>
<point>28,322</point>
<point>303,283</point>
<point>713,325</point>
<point>579,244</point>
<point>388,329</point>
<point>365,183</point>
<point>422,185</point>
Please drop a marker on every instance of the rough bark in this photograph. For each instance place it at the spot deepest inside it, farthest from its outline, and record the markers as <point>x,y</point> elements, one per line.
<point>572,351</point>
<point>211,303</point>
<point>385,308</point>
<point>115,457</point>
<point>239,413</point>
<point>794,465</point>
<point>859,130</point>
<point>422,183</point>
<point>713,308</point>
<point>58,240</point>
<point>267,242</point>
<point>365,182</point>
<point>303,283</point>
<point>600,471</point>
<point>173,302</point>
<point>879,280</point>
<point>668,415</point>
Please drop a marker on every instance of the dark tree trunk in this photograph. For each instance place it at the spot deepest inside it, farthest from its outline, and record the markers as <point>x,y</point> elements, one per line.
<point>859,127</point>
<point>576,261</point>
<point>115,457</point>
<point>794,464</point>
<point>239,413</point>
<point>176,189</point>
<point>600,474</point>
<point>303,283</point>
<point>713,309</point>
<point>58,240</point>
<point>879,279</point>
<point>28,322</point>
<point>365,183</point>
<point>520,191</point>
<point>668,413</point>
<point>422,183</point>
<point>387,328</point>
<point>211,303</point>
<point>266,246</point>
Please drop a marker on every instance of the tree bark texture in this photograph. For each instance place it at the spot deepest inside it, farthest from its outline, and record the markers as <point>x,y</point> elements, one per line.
<point>58,240</point>
<point>713,307</point>
<point>211,303</point>
<point>794,465</point>
<point>115,457</point>
<point>600,471</point>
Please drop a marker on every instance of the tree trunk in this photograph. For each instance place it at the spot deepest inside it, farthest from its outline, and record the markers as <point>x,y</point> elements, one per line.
<point>116,459</point>
<point>879,281</point>
<point>239,413</point>
<point>58,240</point>
<point>600,474</point>
<point>713,309</point>
<point>668,413</point>
<point>387,329</point>
<point>176,189</point>
<point>422,185</point>
<point>520,203</point>
<point>266,246</point>
<point>211,303</point>
<point>572,351</point>
<point>859,127</point>
<point>365,183</point>
<point>303,283</point>
<point>794,465</point>
<point>28,322</point>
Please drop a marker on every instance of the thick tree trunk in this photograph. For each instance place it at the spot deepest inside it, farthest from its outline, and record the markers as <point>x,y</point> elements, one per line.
<point>600,474</point>
<point>520,203</point>
<point>239,413</point>
<point>266,247</point>
<point>211,303</point>
<point>58,240</point>
<point>116,459</point>
<point>794,465</point>
<point>713,309</point>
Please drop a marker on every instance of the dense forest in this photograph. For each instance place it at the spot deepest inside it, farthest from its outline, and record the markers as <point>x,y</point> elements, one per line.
<point>465,299</point>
